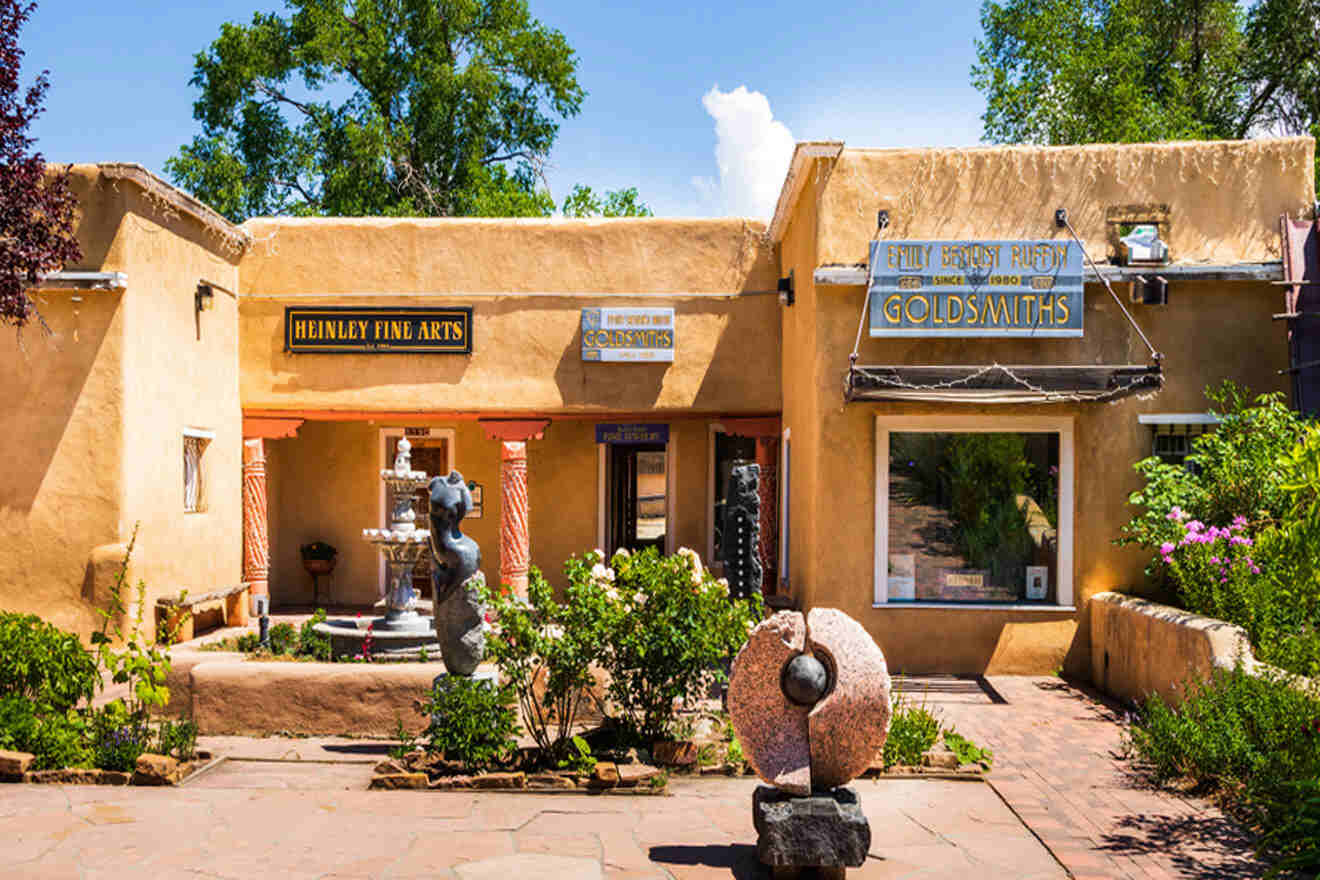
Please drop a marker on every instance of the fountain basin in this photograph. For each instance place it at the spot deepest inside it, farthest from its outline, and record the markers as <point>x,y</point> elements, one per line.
<point>402,638</point>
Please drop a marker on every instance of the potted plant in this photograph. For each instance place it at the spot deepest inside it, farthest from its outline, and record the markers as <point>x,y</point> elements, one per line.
<point>318,557</point>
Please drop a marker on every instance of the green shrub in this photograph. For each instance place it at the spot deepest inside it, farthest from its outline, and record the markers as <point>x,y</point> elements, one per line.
<point>57,739</point>
<point>118,737</point>
<point>670,628</point>
<point>912,732</point>
<point>471,721</point>
<point>544,650</point>
<point>44,664</point>
<point>177,738</point>
<point>312,643</point>
<point>967,751</point>
<point>1295,841</point>
<point>1257,739</point>
<point>283,638</point>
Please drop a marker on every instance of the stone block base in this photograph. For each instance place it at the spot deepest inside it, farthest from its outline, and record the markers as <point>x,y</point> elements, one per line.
<point>822,830</point>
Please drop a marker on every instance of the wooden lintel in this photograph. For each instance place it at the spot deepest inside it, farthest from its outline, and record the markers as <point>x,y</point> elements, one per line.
<point>854,275</point>
<point>751,427</point>
<point>271,428</point>
<point>518,430</point>
<point>432,417</point>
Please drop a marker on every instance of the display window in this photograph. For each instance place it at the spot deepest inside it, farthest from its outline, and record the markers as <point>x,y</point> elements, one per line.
<point>974,512</point>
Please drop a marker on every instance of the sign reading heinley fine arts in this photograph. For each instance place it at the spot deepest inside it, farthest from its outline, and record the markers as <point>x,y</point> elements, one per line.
<point>628,334</point>
<point>385,330</point>
<point>976,288</point>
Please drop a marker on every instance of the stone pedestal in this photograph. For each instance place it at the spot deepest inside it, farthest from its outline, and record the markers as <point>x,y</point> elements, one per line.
<point>824,830</point>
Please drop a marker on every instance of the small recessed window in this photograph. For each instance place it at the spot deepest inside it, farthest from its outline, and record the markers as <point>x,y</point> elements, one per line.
<point>1173,435</point>
<point>195,442</point>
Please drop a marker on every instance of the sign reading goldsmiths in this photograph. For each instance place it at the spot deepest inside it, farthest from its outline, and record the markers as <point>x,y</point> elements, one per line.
<point>619,334</point>
<point>976,288</point>
<point>348,329</point>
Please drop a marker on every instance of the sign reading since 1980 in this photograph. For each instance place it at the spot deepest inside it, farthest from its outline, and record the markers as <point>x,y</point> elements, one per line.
<point>348,329</point>
<point>976,288</point>
<point>621,334</point>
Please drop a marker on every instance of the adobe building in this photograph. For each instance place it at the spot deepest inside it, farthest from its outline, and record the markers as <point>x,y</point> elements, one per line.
<point>944,397</point>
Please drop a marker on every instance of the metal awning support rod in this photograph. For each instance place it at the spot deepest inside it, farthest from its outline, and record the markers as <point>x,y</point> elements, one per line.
<point>1061,218</point>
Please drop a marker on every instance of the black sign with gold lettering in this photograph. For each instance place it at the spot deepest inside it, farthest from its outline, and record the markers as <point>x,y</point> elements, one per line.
<point>347,329</point>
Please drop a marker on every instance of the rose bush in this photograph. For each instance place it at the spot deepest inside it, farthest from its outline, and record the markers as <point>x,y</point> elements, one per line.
<point>669,629</point>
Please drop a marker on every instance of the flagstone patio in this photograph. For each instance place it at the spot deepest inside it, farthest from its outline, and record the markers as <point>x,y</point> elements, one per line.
<point>1060,802</point>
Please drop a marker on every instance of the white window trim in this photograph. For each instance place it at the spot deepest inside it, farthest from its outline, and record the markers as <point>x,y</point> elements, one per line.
<point>199,433</point>
<point>207,436</point>
<point>1178,419</point>
<point>671,482</point>
<point>1061,425</point>
<point>712,429</point>
<point>382,493</point>
<point>785,481</point>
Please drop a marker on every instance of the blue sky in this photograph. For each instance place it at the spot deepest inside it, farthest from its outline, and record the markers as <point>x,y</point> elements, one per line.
<point>871,74</point>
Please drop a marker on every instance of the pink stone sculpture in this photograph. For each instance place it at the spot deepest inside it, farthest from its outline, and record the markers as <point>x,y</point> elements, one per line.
<point>813,723</point>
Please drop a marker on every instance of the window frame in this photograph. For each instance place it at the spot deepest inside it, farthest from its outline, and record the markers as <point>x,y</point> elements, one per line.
<point>987,424</point>
<point>204,438</point>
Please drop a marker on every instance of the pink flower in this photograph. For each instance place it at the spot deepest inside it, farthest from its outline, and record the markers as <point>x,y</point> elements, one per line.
<point>1176,514</point>
<point>1167,548</point>
<point>1214,559</point>
<point>1239,523</point>
<point>1194,526</point>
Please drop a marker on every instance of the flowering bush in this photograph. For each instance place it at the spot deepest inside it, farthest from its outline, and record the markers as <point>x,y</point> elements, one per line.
<point>545,650</point>
<point>1212,567</point>
<point>669,627</point>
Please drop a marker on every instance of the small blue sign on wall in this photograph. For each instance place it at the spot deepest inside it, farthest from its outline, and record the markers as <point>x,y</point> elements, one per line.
<point>632,435</point>
<point>976,288</point>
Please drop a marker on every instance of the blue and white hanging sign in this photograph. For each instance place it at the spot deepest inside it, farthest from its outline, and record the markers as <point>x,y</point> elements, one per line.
<point>626,334</point>
<point>976,288</point>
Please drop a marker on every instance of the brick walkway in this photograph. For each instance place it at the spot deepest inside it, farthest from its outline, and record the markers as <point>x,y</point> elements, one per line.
<point>1059,766</point>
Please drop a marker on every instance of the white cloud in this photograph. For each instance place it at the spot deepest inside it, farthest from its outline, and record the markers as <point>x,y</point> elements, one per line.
<point>752,151</point>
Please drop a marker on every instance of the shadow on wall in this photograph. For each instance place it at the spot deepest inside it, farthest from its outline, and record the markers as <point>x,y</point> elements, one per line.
<point>606,384</point>
<point>48,375</point>
<point>977,643</point>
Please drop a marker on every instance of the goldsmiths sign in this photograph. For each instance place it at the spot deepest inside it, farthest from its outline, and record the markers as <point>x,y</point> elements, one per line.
<point>976,288</point>
<point>347,329</point>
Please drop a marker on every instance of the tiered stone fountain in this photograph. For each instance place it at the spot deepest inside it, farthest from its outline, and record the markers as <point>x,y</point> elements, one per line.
<point>402,629</point>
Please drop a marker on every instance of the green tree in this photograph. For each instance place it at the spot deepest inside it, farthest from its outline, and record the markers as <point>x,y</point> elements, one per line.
<point>583,202</point>
<point>379,107</point>
<point>1082,71</point>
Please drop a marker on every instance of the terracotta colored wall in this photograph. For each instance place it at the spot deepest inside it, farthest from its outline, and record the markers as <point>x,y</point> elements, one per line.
<point>90,411</point>
<point>526,347</point>
<point>1209,332</point>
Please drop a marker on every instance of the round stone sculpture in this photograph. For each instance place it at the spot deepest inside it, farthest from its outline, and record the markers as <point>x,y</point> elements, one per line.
<point>809,698</point>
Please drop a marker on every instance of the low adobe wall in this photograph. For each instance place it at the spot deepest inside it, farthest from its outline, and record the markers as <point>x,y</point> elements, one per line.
<point>1139,648</point>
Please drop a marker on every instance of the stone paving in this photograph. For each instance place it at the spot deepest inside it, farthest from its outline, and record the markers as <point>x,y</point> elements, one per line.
<point>1059,765</point>
<point>1061,802</point>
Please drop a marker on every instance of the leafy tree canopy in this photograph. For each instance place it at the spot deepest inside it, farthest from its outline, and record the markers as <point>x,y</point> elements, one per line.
<point>582,202</point>
<point>36,208</point>
<point>445,107</point>
<point>1081,71</point>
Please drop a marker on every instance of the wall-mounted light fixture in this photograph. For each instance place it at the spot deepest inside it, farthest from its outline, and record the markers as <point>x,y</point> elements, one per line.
<point>787,292</point>
<point>204,298</point>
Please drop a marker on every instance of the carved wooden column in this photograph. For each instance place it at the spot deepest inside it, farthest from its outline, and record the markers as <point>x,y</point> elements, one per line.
<point>256,544</point>
<point>515,534</point>
<point>515,544</point>
<point>256,540</point>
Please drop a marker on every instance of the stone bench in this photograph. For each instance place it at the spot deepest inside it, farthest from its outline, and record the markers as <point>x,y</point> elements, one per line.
<point>170,611</point>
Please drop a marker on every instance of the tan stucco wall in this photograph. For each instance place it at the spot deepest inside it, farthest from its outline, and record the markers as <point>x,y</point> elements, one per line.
<point>1208,332</point>
<point>90,411</point>
<point>1224,197</point>
<point>526,347</point>
<point>1140,648</point>
<point>324,485</point>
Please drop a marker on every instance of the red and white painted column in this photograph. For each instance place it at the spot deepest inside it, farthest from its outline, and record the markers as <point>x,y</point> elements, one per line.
<point>515,536</point>
<point>256,544</point>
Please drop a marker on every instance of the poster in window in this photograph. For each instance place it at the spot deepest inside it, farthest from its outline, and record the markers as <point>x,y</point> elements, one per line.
<point>902,576</point>
<point>1038,582</point>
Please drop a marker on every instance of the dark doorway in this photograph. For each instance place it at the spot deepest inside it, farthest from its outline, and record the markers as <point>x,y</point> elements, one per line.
<point>638,500</point>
